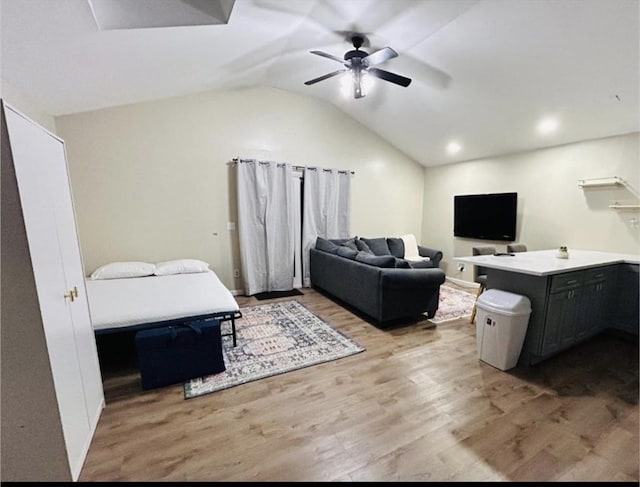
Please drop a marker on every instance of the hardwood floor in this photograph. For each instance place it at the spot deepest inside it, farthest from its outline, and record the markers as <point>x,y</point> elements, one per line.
<point>416,405</point>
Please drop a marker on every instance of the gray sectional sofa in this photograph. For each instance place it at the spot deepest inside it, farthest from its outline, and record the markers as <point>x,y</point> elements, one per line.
<point>378,282</point>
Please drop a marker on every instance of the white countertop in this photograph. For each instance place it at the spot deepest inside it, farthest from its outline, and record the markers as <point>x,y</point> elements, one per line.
<point>545,262</point>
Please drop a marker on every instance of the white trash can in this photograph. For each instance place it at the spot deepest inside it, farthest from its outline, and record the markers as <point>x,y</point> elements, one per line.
<point>502,319</point>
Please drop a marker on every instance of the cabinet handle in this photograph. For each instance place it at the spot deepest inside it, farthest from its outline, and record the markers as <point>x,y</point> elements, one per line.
<point>70,295</point>
<point>572,281</point>
<point>75,291</point>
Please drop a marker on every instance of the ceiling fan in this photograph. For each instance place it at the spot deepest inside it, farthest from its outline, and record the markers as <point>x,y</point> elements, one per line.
<point>360,64</point>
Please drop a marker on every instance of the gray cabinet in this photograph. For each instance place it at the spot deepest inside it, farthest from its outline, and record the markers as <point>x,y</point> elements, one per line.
<point>562,313</point>
<point>595,303</point>
<point>627,293</point>
<point>572,306</point>
<point>578,307</point>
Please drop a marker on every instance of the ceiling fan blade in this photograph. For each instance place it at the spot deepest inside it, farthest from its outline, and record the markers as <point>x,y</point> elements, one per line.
<point>380,56</point>
<point>387,76</point>
<point>321,78</point>
<point>329,56</point>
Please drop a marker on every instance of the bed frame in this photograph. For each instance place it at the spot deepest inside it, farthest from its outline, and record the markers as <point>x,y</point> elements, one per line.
<point>223,317</point>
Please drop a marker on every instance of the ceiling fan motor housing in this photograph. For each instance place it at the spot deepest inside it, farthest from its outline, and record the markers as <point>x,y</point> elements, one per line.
<point>354,54</point>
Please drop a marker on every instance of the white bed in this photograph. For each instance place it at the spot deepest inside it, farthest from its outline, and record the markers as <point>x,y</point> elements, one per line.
<point>145,302</point>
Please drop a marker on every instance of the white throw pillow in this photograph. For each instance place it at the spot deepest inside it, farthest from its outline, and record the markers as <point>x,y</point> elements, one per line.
<point>119,270</point>
<point>410,247</point>
<point>411,252</point>
<point>180,266</point>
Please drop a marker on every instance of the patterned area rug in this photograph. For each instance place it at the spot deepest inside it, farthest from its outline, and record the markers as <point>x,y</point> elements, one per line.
<point>273,339</point>
<point>454,304</point>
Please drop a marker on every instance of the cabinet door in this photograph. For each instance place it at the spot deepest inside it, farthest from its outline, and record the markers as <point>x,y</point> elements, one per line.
<point>591,310</point>
<point>626,314</point>
<point>33,149</point>
<point>570,311</point>
<point>559,330</point>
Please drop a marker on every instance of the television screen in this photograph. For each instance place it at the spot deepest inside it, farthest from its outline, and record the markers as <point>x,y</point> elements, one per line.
<point>485,216</point>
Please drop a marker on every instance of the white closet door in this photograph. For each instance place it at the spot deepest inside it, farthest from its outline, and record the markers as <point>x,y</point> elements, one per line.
<point>33,150</point>
<point>56,172</point>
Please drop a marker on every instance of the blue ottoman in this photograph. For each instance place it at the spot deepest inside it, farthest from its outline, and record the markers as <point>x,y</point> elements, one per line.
<point>177,353</point>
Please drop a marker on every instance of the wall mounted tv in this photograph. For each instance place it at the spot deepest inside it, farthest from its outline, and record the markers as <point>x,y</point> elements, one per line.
<point>485,216</point>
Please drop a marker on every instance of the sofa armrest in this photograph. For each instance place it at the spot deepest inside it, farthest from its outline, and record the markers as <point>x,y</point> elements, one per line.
<point>434,255</point>
<point>415,278</point>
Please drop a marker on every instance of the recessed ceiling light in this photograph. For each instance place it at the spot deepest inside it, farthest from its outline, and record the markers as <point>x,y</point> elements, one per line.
<point>453,147</point>
<point>548,125</point>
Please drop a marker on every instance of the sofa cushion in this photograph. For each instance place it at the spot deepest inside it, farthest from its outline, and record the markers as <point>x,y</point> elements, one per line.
<point>402,264</point>
<point>376,260</point>
<point>326,245</point>
<point>338,241</point>
<point>396,246</point>
<point>351,243</point>
<point>344,251</point>
<point>363,247</point>
<point>377,245</point>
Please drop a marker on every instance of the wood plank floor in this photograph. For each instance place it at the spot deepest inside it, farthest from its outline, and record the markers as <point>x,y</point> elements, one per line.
<point>417,405</point>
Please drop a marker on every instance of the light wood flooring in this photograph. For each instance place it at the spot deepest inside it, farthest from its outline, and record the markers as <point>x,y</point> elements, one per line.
<point>417,405</point>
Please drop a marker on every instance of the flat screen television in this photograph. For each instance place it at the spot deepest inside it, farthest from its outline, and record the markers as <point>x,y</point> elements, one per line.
<point>485,216</point>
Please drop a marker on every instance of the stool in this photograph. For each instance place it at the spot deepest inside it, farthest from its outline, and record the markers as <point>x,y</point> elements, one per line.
<point>177,353</point>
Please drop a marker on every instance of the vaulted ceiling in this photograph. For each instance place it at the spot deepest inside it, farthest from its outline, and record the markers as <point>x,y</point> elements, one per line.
<point>484,73</point>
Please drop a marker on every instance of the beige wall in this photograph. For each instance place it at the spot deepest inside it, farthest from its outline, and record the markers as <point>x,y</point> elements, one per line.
<point>151,180</point>
<point>552,210</point>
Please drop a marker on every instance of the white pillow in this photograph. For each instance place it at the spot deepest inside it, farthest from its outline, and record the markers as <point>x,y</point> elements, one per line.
<point>411,252</point>
<point>180,266</point>
<point>119,270</point>
<point>410,247</point>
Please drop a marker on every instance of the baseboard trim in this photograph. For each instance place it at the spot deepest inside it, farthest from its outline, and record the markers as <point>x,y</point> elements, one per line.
<point>236,292</point>
<point>461,282</point>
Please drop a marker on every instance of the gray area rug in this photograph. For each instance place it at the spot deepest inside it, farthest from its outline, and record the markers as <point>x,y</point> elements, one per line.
<point>273,339</point>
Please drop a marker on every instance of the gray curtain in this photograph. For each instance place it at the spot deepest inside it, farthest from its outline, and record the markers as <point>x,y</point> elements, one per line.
<point>327,209</point>
<point>265,223</point>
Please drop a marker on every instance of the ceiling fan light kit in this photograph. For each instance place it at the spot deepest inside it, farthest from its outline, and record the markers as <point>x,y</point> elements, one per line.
<point>360,64</point>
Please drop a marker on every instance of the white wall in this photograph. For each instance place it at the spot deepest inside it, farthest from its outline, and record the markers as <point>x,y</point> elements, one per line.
<point>552,210</point>
<point>26,105</point>
<point>151,180</point>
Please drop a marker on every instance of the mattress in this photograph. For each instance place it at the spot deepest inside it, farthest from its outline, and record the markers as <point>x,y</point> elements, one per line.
<point>116,303</point>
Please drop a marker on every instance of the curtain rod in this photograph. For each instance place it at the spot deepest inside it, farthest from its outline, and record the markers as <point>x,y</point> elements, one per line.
<point>235,160</point>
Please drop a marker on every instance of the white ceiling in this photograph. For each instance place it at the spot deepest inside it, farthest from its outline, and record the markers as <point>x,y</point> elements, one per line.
<point>485,72</point>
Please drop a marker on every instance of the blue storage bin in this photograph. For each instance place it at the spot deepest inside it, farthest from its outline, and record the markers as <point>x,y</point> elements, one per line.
<point>177,353</point>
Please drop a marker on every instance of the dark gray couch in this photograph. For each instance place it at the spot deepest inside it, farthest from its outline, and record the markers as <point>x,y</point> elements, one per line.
<point>383,287</point>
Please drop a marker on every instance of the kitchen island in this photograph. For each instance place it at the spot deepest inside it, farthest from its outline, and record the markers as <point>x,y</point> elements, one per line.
<point>571,299</point>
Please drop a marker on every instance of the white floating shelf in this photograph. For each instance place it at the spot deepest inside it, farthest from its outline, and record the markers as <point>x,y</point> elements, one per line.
<point>600,182</point>
<point>625,207</point>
